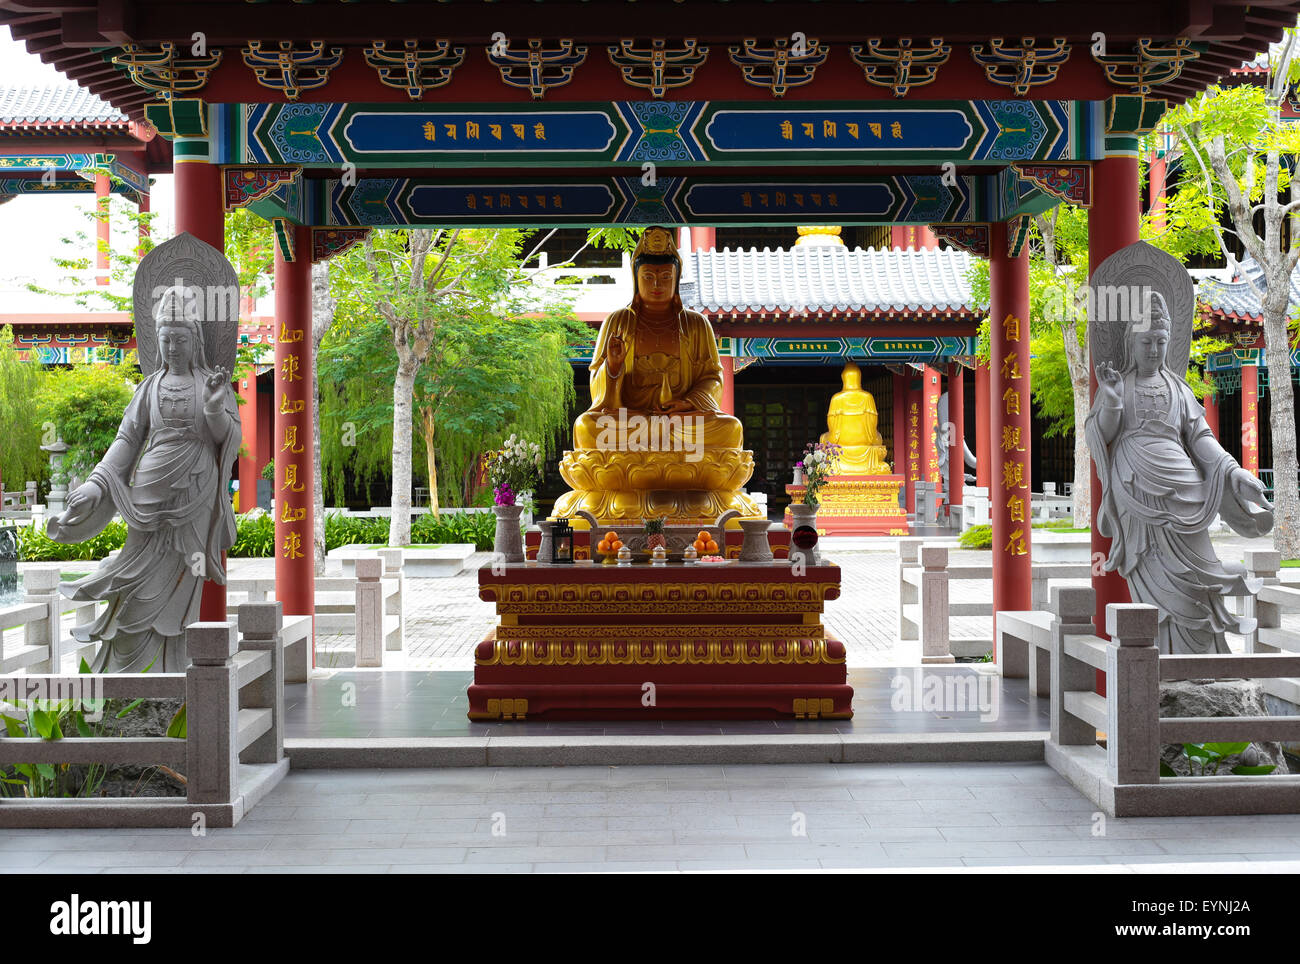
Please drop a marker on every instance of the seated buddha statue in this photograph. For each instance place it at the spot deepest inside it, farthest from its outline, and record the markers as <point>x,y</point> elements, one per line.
<point>655,441</point>
<point>851,420</point>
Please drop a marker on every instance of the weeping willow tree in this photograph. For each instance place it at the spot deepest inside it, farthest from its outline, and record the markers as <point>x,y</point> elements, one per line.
<point>493,359</point>
<point>21,458</point>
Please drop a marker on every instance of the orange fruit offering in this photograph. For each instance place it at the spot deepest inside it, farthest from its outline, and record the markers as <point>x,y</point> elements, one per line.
<point>603,546</point>
<point>712,546</point>
<point>611,536</point>
<point>702,536</point>
<point>615,546</point>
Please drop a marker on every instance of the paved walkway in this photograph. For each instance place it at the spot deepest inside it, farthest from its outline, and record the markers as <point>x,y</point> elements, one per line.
<point>700,818</point>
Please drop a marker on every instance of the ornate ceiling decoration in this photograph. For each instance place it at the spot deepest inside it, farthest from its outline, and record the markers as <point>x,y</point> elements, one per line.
<point>292,69</point>
<point>656,67</point>
<point>902,66</point>
<point>538,68</point>
<point>1021,66</point>
<point>414,67</point>
<point>162,70</point>
<point>778,66</point>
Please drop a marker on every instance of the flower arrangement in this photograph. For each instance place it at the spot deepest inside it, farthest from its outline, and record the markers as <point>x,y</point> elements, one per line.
<point>516,467</point>
<point>820,461</point>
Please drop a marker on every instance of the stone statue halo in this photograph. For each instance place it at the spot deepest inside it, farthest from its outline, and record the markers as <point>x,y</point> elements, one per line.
<point>1121,290</point>
<point>206,276</point>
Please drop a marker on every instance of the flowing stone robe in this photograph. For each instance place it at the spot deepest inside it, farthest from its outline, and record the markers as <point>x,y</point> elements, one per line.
<point>166,478</point>
<point>1164,476</point>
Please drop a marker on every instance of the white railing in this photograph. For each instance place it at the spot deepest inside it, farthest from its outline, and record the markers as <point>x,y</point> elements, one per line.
<point>1123,778</point>
<point>18,504</point>
<point>925,609</point>
<point>345,605</point>
<point>231,755</point>
<point>40,616</point>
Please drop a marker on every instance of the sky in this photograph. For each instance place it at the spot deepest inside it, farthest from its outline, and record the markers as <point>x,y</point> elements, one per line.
<point>33,229</point>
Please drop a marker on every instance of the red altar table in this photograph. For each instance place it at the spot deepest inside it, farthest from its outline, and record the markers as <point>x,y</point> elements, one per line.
<point>592,641</point>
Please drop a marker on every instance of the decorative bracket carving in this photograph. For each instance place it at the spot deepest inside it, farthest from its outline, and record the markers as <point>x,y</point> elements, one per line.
<point>1020,66</point>
<point>973,238</point>
<point>242,186</point>
<point>1149,65</point>
<point>1069,182</point>
<point>163,72</point>
<point>327,242</point>
<point>778,67</point>
<point>658,68</point>
<point>414,68</point>
<point>538,68</point>
<point>1017,234</point>
<point>284,237</point>
<point>901,67</point>
<point>282,66</point>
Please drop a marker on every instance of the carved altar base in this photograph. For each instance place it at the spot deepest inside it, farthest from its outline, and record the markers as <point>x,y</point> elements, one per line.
<point>857,505</point>
<point>587,641</point>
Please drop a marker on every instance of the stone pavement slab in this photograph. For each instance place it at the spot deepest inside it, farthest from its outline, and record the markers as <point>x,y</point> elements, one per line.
<point>683,819</point>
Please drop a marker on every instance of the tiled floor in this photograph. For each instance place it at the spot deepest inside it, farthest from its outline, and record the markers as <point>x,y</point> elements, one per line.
<point>352,703</point>
<point>673,819</point>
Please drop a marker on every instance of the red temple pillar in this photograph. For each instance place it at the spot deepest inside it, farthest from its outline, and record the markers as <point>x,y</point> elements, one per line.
<point>930,385</point>
<point>728,384</point>
<point>1156,191</point>
<point>1009,490</point>
<point>1250,418</point>
<point>197,186</point>
<point>295,570</point>
<point>983,424</point>
<point>1211,404</point>
<point>1112,224</point>
<point>900,425</point>
<point>913,472</point>
<point>248,420</point>
<point>704,239</point>
<point>103,238</point>
<point>957,435</point>
<point>143,208</point>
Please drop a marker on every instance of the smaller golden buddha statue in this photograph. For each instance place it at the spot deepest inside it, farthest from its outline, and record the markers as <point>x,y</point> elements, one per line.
<point>851,420</point>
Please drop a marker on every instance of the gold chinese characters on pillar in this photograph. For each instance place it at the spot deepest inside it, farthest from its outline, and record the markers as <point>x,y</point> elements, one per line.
<point>292,494</point>
<point>1015,475</point>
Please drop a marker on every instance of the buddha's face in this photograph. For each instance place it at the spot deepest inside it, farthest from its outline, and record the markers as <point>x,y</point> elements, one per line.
<point>656,284</point>
<point>176,345</point>
<point>1148,349</point>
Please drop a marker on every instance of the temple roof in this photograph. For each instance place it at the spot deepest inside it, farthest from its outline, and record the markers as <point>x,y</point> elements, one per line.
<point>56,107</point>
<point>821,279</point>
<point>1236,300</point>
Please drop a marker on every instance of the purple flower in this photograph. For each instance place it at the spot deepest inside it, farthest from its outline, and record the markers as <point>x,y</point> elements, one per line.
<point>504,494</point>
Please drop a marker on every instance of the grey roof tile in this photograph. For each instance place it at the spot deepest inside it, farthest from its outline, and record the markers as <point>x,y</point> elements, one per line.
<point>1237,298</point>
<point>828,278</point>
<point>56,104</point>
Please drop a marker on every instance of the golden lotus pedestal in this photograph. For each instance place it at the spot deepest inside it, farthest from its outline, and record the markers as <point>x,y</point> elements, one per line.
<point>857,505</point>
<point>623,488</point>
<point>735,640</point>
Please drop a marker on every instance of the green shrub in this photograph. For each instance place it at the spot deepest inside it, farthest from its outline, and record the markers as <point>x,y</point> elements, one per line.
<point>478,528</point>
<point>254,536</point>
<point>348,530</point>
<point>35,546</point>
<point>977,537</point>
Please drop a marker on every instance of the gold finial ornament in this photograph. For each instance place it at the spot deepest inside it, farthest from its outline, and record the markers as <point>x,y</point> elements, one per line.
<point>819,235</point>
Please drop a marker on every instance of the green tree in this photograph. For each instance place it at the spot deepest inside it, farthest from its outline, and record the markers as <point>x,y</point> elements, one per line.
<point>466,347</point>
<point>1240,157</point>
<point>85,406</point>
<point>21,458</point>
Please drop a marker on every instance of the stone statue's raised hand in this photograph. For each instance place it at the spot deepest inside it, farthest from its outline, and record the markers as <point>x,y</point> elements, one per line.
<point>217,385</point>
<point>1249,489</point>
<point>1111,384</point>
<point>81,503</point>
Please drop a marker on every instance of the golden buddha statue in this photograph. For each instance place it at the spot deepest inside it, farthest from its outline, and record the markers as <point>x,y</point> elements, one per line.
<point>851,419</point>
<point>655,441</point>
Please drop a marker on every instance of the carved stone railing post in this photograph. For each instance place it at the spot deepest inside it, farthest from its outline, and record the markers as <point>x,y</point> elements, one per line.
<point>212,713</point>
<point>1074,608</point>
<point>393,605</point>
<point>260,625</point>
<point>370,612</point>
<point>908,593</point>
<point>934,605</point>
<point>1262,564</point>
<point>42,586</point>
<point>1133,693</point>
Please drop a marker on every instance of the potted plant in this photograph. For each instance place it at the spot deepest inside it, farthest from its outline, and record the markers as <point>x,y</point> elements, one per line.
<point>514,468</point>
<point>820,462</point>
